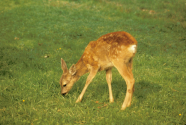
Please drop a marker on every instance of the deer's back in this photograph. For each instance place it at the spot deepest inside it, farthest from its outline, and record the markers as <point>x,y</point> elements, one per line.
<point>112,46</point>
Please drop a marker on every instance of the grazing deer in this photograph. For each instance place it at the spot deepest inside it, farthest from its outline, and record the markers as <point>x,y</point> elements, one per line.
<point>115,49</point>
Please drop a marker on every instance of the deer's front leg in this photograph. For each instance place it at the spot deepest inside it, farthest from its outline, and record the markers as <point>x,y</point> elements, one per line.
<point>109,80</point>
<point>92,74</point>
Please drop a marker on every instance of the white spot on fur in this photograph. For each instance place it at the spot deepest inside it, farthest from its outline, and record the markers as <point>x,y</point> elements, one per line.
<point>95,58</point>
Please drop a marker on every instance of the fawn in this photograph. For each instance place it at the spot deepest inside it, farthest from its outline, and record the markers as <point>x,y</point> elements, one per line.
<point>115,49</point>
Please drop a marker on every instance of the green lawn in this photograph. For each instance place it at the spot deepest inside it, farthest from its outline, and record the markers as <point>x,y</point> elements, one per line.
<point>36,34</point>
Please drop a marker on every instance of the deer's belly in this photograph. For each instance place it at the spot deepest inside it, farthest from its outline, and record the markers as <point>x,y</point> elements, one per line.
<point>106,66</point>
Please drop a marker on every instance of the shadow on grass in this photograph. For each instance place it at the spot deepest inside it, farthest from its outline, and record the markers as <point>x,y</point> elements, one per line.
<point>98,90</point>
<point>142,89</point>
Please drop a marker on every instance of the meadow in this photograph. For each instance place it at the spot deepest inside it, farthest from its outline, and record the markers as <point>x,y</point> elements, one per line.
<point>36,34</point>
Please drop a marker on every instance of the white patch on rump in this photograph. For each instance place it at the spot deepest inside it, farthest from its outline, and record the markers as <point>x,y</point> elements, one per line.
<point>132,48</point>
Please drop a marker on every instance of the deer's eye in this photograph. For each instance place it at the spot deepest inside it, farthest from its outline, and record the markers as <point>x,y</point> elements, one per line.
<point>64,85</point>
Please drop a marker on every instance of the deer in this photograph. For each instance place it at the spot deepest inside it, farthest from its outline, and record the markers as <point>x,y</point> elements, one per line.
<point>115,49</point>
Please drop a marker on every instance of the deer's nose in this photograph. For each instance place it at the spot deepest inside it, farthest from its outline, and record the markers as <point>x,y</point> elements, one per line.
<point>63,94</point>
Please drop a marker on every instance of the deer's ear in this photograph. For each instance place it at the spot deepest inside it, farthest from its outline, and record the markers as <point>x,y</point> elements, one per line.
<point>64,66</point>
<point>72,70</point>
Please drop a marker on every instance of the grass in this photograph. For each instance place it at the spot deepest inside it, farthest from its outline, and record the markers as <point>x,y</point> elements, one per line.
<point>29,82</point>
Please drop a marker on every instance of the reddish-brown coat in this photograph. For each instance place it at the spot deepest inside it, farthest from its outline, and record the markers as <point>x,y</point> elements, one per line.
<point>115,49</point>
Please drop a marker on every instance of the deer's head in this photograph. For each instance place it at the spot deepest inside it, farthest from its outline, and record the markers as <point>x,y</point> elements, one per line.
<point>68,77</point>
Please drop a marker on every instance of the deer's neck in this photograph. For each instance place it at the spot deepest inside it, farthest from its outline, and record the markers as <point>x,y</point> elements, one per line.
<point>81,68</point>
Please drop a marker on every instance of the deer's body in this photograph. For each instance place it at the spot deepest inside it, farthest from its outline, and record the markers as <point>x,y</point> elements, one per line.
<point>115,49</point>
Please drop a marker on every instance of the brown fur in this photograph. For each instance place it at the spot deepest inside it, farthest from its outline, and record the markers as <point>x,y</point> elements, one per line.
<point>110,50</point>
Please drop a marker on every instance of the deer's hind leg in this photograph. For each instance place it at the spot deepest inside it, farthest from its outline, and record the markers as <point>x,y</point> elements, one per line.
<point>125,69</point>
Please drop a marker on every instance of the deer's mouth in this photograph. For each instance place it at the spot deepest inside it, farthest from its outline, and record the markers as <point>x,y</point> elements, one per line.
<point>64,93</point>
